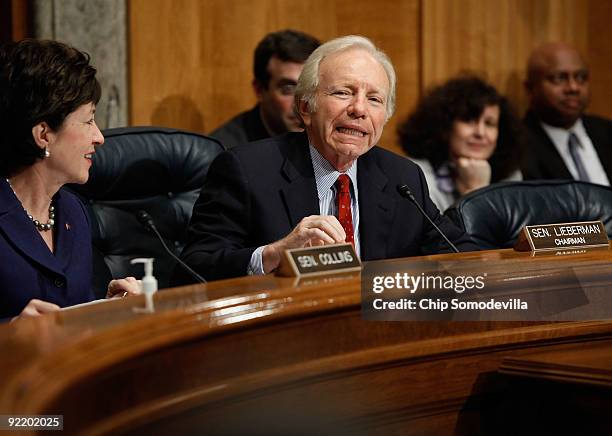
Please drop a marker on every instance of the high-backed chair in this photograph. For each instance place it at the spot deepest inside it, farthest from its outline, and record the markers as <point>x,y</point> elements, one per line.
<point>158,170</point>
<point>493,216</point>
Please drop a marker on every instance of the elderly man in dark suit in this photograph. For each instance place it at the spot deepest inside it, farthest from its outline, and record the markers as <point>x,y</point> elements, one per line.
<point>564,143</point>
<point>326,185</point>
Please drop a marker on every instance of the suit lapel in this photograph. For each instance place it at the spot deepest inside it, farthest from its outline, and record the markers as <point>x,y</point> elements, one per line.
<point>601,143</point>
<point>300,192</point>
<point>19,230</point>
<point>65,231</point>
<point>376,208</point>
<point>549,156</point>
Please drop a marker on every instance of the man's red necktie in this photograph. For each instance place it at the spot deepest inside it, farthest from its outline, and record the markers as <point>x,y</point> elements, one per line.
<point>345,216</point>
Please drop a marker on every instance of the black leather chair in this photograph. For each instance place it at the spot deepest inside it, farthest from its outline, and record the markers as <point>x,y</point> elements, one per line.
<point>158,170</point>
<point>494,216</point>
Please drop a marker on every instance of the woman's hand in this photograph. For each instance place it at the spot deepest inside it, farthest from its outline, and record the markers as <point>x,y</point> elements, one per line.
<point>123,287</point>
<point>471,174</point>
<point>36,308</point>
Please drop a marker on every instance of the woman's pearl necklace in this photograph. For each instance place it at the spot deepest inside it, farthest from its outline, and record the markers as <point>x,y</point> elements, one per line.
<point>40,226</point>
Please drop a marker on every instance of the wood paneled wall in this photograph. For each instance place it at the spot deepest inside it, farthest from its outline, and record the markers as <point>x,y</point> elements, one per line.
<point>191,60</point>
<point>15,20</point>
<point>600,56</point>
<point>494,38</point>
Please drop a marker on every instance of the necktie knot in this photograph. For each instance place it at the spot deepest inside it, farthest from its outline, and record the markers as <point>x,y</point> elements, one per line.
<point>344,184</point>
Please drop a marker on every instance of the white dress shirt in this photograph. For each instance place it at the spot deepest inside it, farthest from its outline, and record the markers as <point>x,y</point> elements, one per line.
<point>325,178</point>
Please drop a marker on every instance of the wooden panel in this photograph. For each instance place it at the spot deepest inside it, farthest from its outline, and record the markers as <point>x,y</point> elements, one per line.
<point>15,20</point>
<point>191,60</point>
<point>564,389</point>
<point>496,38</point>
<point>599,56</point>
<point>573,363</point>
<point>22,19</point>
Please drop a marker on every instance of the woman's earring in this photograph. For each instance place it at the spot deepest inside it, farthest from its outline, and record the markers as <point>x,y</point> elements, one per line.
<point>47,154</point>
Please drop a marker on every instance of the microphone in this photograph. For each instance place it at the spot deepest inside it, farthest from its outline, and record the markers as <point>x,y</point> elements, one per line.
<point>145,219</point>
<point>404,191</point>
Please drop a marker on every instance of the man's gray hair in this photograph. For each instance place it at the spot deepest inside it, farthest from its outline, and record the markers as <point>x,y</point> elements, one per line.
<point>309,79</point>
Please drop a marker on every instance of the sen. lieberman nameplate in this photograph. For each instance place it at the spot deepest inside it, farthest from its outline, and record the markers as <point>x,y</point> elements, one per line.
<point>560,236</point>
<point>325,259</point>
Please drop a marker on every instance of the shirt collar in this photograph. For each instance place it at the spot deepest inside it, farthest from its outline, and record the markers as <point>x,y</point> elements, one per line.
<point>326,175</point>
<point>560,136</point>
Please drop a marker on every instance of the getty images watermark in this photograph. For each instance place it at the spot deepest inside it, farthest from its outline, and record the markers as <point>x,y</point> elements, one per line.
<point>466,291</point>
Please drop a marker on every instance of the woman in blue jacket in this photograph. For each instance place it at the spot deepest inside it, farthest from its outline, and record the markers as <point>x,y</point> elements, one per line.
<point>48,135</point>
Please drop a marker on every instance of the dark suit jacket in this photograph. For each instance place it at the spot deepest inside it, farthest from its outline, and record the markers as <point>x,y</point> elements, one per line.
<point>28,269</point>
<point>543,161</point>
<point>243,128</point>
<point>257,194</point>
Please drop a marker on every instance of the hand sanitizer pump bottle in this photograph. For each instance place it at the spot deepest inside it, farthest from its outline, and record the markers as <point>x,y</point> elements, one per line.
<point>148,283</point>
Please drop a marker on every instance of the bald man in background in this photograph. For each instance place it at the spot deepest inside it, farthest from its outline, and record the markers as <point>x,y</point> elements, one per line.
<point>564,142</point>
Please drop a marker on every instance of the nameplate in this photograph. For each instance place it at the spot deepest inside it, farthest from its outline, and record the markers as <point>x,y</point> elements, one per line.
<point>310,261</point>
<point>562,236</point>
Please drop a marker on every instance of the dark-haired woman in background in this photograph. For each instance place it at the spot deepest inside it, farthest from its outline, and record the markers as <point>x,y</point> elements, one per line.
<point>464,135</point>
<point>48,135</point>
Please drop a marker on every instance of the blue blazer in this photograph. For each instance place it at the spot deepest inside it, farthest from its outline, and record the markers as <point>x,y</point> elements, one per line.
<point>28,269</point>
